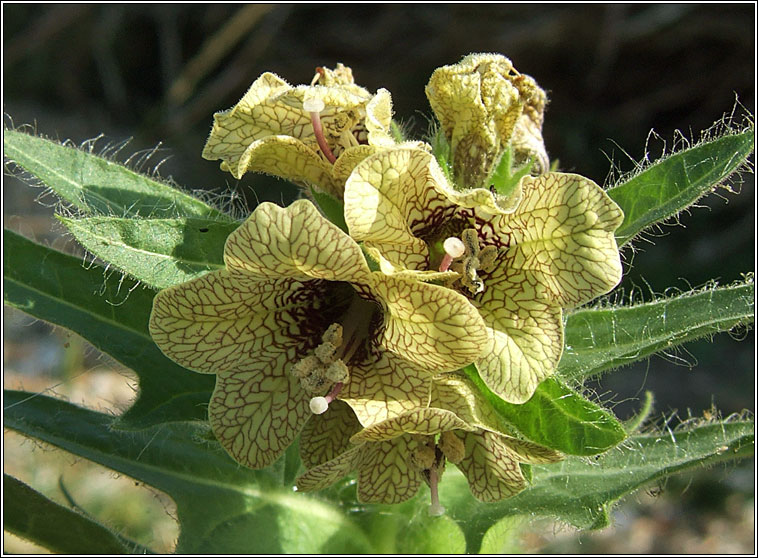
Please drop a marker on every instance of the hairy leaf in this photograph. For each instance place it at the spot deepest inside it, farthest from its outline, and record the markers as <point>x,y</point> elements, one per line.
<point>113,316</point>
<point>34,517</point>
<point>604,338</point>
<point>581,491</point>
<point>557,417</point>
<point>676,181</point>
<point>222,508</point>
<point>158,252</point>
<point>99,186</point>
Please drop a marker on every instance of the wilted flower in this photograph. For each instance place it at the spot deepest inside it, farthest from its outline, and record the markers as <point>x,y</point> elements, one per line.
<point>297,319</point>
<point>484,107</point>
<point>309,134</point>
<point>555,249</point>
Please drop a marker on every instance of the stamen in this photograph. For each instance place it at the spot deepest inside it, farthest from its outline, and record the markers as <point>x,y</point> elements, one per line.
<point>435,509</point>
<point>454,248</point>
<point>314,106</point>
<point>319,405</point>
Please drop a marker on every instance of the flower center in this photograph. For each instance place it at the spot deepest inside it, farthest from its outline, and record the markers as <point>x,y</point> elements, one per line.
<point>326,367</point>
<point>429,457</point>
<point>464,256</point>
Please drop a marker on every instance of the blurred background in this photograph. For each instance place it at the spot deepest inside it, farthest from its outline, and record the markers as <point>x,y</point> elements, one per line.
<point>157,73</point>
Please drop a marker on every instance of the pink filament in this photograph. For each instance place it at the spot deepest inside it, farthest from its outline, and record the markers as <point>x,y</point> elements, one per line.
<point>332,395</point>
<point>447,259</point>
<point>319,132</point>
<point>433,482</point>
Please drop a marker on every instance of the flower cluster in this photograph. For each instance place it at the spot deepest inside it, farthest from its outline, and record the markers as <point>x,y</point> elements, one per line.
<point>355,339</point>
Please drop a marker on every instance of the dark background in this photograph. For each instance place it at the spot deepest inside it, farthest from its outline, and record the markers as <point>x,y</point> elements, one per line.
<point>157,73</point>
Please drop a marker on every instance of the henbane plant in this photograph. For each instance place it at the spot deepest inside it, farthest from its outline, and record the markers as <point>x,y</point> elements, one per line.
<point>423,316</point>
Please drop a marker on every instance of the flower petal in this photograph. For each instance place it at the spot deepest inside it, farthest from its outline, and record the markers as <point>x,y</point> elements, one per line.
<point>434,327</point>
<point>427,421</point>
<point>384,387</point>
<point>529,452</point>
<point>249,120</point>
<point>387,195</point>
<point>491,469</point>
<point>221,321</point>
<point>326,474</point>
<point>384,473</point>
<point>296,241</point>
<point>326,436</point>
<point>289,158</point>
<point>455,392</point>
<point>257,413</point>
<point>562,237</point>
<point>525,337</point>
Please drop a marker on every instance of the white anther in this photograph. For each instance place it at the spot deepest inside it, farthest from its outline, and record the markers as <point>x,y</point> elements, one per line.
<point>454,246</point>
<point>319,405</point>
<point>435,510</point>
<point>314,104</point>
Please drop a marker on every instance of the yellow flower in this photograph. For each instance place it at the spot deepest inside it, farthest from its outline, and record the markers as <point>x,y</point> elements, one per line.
<point>555,249</point>
<point>298,319</point>
<point>311,135</point>
<point>395,456</point>
<point>484,105</point>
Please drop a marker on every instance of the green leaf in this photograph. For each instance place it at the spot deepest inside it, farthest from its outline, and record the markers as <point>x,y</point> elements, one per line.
<point>99,186</point>
<point>441,152</point>
<point>332,208</point>
<point>222,508</point>
<point>430,535</point>
<point>503,177</point>
<point>603,338</point>
<point>676,181</point>
<point>581,492</point>
<point>32,516</point>
<point>158,252</point>
<point>113,316</point>
<point>558,417</point>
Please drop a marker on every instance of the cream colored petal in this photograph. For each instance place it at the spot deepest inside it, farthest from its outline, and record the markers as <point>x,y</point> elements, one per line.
<point>326,474</point>
<point>385,386</point>
<point>486,202</point>
<point>529,452</point>
<point>388,196</point>
<point>296,241</point>
<point>525,336</point>
<point>326,436</point>
<point>348,160</point>
<point>385,475</point>
<point>289,158</point>
<point>434,327</point>
<point>492,471</point>
<point>379,118</point>
<point>428,421</point>
<point>341,75</point>
<point>257,413</point>
<point>250,119</point>
<point>527,139</point>
<point>221,321</point>
<point>562,238</point>
<point>455,392</point>
<point>388,268</point>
